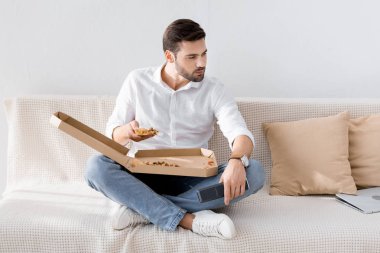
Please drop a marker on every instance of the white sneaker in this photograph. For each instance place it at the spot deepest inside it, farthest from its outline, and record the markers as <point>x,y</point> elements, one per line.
<point>208,223</point>
<point>123,217</point>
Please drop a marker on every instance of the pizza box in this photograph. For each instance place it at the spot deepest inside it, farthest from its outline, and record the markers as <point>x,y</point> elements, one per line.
<point>197,162</point>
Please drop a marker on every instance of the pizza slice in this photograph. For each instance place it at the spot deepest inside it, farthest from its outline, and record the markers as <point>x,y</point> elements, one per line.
<point>146,131</point>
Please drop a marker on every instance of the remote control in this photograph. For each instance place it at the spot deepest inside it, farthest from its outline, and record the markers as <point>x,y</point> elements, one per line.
<point>212,192</point>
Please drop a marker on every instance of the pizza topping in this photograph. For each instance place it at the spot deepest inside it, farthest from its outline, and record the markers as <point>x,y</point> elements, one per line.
<point>162,163</point>
<point>146,131</point>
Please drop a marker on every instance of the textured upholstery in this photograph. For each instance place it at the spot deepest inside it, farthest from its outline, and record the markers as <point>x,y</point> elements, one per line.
<point>47,207</point>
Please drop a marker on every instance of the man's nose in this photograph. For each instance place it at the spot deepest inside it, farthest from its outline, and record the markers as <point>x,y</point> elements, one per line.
<point>201,63</point>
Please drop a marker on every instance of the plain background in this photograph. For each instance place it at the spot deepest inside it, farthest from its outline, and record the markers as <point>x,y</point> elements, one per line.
<point>282,48</point>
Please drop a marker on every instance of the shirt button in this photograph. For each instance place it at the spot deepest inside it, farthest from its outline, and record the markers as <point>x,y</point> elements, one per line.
<point>172,102</point>
<point>172,118</point>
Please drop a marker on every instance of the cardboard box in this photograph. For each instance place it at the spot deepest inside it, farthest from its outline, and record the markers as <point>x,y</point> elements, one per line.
<point>196,162</point>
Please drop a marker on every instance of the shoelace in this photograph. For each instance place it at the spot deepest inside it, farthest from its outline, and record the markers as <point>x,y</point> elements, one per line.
<point>209,227</point>
<point>137,219</point>
<point>134,218</point>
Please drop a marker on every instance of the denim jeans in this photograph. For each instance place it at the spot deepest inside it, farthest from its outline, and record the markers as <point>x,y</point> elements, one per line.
<point>162,199</point>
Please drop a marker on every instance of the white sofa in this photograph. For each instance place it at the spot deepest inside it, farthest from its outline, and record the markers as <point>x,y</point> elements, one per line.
<point>47,206</point>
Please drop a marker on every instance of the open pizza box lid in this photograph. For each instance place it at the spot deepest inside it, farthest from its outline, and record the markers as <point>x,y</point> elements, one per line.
<point>197,162</point>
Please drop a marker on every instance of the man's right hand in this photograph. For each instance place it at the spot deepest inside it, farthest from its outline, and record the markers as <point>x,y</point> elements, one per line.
<point>122,134</point>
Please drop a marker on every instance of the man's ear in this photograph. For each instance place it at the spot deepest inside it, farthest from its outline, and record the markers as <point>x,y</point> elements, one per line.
<point>169,56</point>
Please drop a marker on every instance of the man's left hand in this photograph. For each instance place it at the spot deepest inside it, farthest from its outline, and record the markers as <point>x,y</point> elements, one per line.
<point>233,179</point>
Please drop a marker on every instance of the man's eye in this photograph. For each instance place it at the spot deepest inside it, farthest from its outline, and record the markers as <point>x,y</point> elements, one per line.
<point>191,57</point>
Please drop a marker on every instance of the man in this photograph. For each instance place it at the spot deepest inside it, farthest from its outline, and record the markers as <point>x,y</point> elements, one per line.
<point>183,104</point>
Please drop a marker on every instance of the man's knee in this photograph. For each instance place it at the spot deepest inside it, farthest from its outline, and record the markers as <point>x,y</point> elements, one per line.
<point>255,175</point>
<point>96,166</point>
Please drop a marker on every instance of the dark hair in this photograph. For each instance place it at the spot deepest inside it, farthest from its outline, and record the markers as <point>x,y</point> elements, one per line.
<point>181,30</point>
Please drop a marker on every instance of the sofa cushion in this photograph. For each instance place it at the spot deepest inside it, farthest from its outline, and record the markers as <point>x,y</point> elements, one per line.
<point>310,156</point>
<point>365,150</point>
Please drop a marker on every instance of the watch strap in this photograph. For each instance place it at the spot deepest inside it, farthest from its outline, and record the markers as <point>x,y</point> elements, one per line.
<point>243,159</point>
<point>234,157</point>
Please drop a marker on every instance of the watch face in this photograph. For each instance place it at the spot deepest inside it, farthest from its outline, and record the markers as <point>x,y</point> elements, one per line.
<point>245,161</point>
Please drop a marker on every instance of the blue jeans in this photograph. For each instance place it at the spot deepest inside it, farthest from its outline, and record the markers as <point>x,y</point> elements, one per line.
<point>162,199</point>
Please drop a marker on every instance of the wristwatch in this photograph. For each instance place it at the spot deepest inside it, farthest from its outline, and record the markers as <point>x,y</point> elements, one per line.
<point>244,159</point>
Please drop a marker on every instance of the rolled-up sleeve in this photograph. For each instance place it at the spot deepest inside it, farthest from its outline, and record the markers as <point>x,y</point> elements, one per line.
<point>229,119</point>
<point>124,110</point>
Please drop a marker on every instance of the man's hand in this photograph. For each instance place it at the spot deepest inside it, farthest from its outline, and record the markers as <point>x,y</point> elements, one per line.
<point>126,132</point>
<point>233,179</point>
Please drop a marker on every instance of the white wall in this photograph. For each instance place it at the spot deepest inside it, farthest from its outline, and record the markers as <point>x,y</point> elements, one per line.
<point>282,48</point>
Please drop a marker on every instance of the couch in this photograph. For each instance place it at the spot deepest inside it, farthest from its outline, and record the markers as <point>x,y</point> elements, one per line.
<point>48,207</point>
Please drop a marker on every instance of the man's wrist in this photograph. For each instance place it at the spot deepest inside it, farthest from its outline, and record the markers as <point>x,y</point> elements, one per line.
<point>233,159</point>
<point>243,159</point>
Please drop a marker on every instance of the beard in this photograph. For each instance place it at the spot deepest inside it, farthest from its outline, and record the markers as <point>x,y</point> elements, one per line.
<point>196,76</point>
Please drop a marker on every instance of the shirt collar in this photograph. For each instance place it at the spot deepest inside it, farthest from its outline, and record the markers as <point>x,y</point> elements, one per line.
<point>158,79</point>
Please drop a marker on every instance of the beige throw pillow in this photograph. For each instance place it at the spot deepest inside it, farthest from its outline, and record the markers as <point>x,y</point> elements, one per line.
<point>310,156</point>
<point>365,150</point>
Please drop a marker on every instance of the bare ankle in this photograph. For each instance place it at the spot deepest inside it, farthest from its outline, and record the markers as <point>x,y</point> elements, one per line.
<point>187,221</point>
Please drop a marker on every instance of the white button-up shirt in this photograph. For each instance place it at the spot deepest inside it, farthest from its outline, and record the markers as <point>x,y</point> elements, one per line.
<point>185,117</point>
